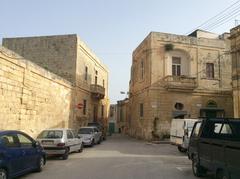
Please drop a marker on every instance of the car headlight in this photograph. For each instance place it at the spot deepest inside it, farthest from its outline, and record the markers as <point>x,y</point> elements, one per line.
<point>89,138</point>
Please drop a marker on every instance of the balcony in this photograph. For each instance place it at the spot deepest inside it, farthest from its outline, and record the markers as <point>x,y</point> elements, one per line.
<point>97,91</point>
<point>179,82</point>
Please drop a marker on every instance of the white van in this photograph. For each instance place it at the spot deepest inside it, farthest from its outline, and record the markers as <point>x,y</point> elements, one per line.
<point>180,132</point>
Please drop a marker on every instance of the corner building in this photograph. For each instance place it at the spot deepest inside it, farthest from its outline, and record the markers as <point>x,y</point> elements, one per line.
<point>176,76</point>
<point>69,57</point>
<point>235,51</point>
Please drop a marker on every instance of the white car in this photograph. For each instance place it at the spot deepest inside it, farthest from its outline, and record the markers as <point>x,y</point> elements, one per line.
<point>90,135</point>
<point>180,132</point>
<point>60,142</point>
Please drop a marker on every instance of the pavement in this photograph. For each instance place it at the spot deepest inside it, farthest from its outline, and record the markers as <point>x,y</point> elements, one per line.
<point>120,157</point>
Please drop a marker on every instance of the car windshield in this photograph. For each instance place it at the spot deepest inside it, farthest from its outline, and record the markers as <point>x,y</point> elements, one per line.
<point>85,131</point>
<point>51,134</point>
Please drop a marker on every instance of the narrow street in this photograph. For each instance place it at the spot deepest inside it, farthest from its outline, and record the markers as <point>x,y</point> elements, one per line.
<point>120,157</point>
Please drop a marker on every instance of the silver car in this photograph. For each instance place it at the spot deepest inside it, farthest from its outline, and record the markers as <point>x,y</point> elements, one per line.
<point>90,135</point>
<point>60,142</point>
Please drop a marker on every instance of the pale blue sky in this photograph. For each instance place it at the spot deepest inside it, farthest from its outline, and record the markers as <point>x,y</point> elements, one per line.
<point>111,28</point>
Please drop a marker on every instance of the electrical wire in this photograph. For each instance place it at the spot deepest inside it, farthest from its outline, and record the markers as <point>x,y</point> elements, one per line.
<point>215,18</point>
<point>223,20</point>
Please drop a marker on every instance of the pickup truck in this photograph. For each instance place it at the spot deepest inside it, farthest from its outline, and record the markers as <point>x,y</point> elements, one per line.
<point>215,147</point>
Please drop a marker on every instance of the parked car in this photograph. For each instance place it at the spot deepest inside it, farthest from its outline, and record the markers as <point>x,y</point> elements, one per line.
<point>215,146</point>
<point>180,132</point>
<point>101,128</point>
<point>91,135</point>
<point>19,154</point>
<point>60,142</point>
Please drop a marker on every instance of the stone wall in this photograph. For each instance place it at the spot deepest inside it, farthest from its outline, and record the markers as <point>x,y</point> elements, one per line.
<point>31,98</point>
<point>56,54</point>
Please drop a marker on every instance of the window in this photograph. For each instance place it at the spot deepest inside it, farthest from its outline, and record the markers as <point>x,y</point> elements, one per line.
<point>217,128</point>
<point>50,134</point>
<point>142,69</point>
<point>84,107</point>
<point>95,80</point>
<point>86,73</point>
<point>10,141</point>
<point>102,111</point>
<point>226,129</point>
<point>141,110</point>
<point>195,132</point>
<point>222,131</point>
<point>69,135</point>
<point>176,66</point>
<point>210,70</point>
<point>25,142</point>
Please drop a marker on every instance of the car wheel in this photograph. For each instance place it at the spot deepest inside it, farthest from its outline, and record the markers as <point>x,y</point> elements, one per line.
<point>3,174</point>
<point>65,156</point>
<point>181,149</point>
<point>81,148</point>
<point>197,169</point>
<point>92,143</point>
<point>40,164</point>
<point>222,175</point>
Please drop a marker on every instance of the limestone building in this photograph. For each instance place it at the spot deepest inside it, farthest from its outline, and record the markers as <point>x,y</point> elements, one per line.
<point>235,51</point>
<point>69,57</point>
<point>176,76</point>
<point>123,115</point>
<point>112,122</point>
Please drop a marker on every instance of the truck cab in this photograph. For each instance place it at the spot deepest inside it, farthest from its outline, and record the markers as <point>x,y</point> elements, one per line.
<point>215,147</point>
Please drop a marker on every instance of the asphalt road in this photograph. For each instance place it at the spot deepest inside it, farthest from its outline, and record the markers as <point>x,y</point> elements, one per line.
<point>120,157</point>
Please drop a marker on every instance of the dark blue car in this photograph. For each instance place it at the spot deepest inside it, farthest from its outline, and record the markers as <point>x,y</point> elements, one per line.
<point>19,154</point>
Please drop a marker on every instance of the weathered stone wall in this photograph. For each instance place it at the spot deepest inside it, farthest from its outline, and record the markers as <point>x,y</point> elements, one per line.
<point>31,98</point>
<point>56,54</point>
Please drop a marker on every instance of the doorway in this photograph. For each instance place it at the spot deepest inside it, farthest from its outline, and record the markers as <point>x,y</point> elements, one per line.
<point>95,113</point>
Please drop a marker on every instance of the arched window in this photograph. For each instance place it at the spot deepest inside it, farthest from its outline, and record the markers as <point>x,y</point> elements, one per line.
<point>212,104</point>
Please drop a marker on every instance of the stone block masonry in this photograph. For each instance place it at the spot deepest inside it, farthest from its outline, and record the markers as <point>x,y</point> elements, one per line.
<point>31,98</point>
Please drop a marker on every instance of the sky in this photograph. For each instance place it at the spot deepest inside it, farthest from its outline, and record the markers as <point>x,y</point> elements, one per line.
<point>111,28</point>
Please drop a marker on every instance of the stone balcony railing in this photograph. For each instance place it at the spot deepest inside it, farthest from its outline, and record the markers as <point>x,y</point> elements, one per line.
<point>97,91</point>
<point>179,82</point>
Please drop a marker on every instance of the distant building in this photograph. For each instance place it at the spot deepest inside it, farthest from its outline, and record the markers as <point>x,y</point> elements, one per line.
<point>69,57</point>
<point>235,49</point>
<point>176,76</point>
<point>123,116</point>
<point>112,122</point>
